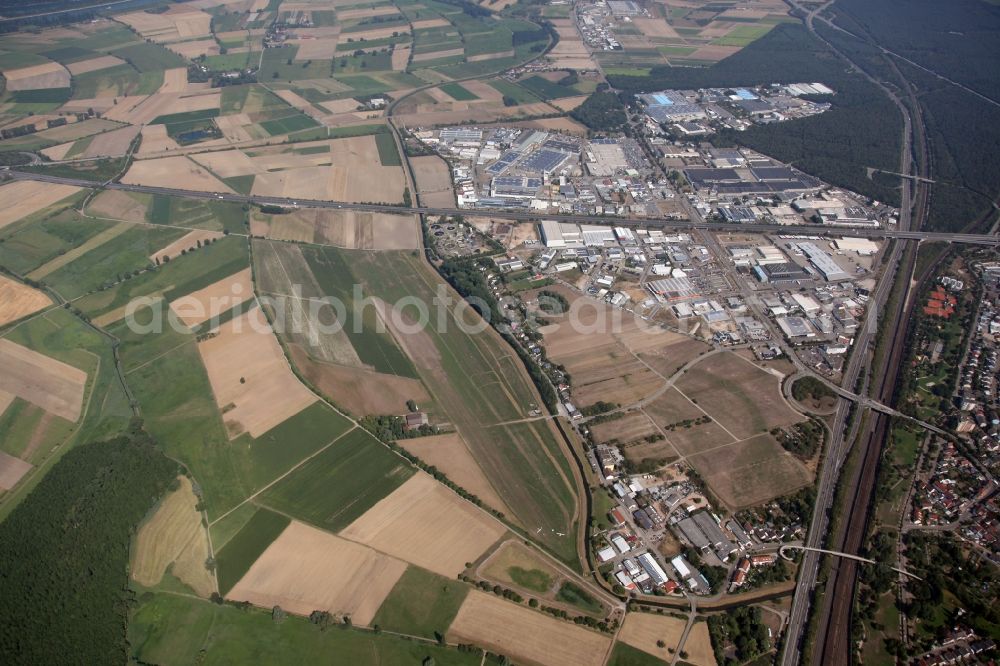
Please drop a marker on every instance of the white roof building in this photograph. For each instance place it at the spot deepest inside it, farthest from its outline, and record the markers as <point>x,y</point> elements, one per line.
<point>681,566</point>
<point>653,568</point>
<point>606,553</point>
<point>620,543</point>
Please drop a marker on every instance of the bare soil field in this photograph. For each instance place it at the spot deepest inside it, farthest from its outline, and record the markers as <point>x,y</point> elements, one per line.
<point>316,43</point>
<point>699,646</point>
<point>188,241</point>
<point>176,24</point>
<point>713,52</point>
<point>514,554</point>
<point>19,300</point>
<point>93,64</point>
<point>400,58</point>
<point>36,77</point>
<point>164,537</point>
<point>352,230</point>
<point>57,152</point>
<point>745,399</point>
<point>526,636</point>
<point>435,55</point>
<point>360,390</point>
<point>425,523</point>
<point>340,105</point>
<point>156,140</point>
<point>175,80</point>
<point>450,454</point>
<point>750,472</point>
<point>433,181</point>
<point>252,383</point>
<point>12,470</point>
<point>662,450</point>
<point>643,630</point>
<point>655,27</point>
<point>111,144</point>
<point>43,381</point>
<point>355,174</point>
<point>306,569</point>
<point>346,14</point>
<point>117,205</point>
<point>204,304</point>
<point>569,103</point>
<point>5,400</point>
<point>629,428</point>
<point>181,172</point>
<point>671,358</point>
<point>24,197</point>
<point>195,49</point>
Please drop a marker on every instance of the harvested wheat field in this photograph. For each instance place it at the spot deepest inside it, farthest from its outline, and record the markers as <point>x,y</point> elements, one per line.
<point>527,636</point>
<point>400,57</point>
<point>11,470</point>
<point>426,524</point>
<point>204,304</point>
<point>164,537</point>
<point>57,152</point>
<point>176,24</point>
<point>345,14</point>
<point>175,80</point>
<point>111,144</point>
<point>699,646</point>
<point>24,197</point>
<point>643,630</point>
<point>36,77</point>
<point>117,205</point>
<point>5,400</point>
<point>179,171</point>
<point>195,49</point>
<point>252,383</point>
<point>450,454</point>
<point>93,64</point>
<point>655,27</point>
<point>430,23</point>
<point>189,567</point>
<point>359,390</point>
<point>156,140</point>
<point>43,381</point>
<point>433,181</point>
<point>19,300</point>
<point>569,103</point>
<point>307,569</point>
<point>188,241</point>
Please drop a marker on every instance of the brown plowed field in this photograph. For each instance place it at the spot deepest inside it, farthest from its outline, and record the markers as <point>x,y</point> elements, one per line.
<point>425,523</point>
<point>527,636</point>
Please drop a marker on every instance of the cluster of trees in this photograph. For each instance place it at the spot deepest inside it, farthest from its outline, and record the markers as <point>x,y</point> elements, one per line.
<point>802,439</point>
<point>389,428</point>
<point>743,629</point>
<point>811,388</point>
<point>599,407</point>
<point>716,576</point>
<point>552,302</point>
<point>601,112</point>
<point>64,552</point>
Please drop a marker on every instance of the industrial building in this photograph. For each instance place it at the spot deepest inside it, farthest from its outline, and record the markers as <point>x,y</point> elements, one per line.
<point>670,106</point>
<point>823,262</point>
<point>778,273</point>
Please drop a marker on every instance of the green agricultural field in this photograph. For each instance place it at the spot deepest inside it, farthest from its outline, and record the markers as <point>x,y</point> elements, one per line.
<point>226,527</point>
<point>196,213</point>
<point>456,91</point>
<point>421,604</point>
<point>626,655</point>
<point>229,61</point>
<point>336,279</point>
<point>514,91</point>
<point>148,57</point>
<point>479,383</point>
<point>168,629</point>
<point>365,62</point>
<point>175,278</point>
<point>288,124</point>
<point>275,66</point>
<point>548,89</point>
<point>120,80</point>
<point>388,155</point>
<point>239,554</point>
<point>531,579</point>
<point>498,40</point>
<point>108,262</point>
<point>334,488</point>
<point>28,247</point>
<point>106,409</point>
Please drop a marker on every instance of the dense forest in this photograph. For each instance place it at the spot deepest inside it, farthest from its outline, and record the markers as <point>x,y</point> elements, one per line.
<point>963,130</point>
<point>862,129</point>
<point>64,553</point>
<point>602,112</point>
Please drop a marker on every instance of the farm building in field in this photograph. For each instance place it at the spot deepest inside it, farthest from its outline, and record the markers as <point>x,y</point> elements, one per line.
<point>416,419</point>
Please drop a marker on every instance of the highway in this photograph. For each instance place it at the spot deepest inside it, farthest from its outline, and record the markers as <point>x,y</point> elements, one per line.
<point>528,215</point>
<point>840,444</point>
